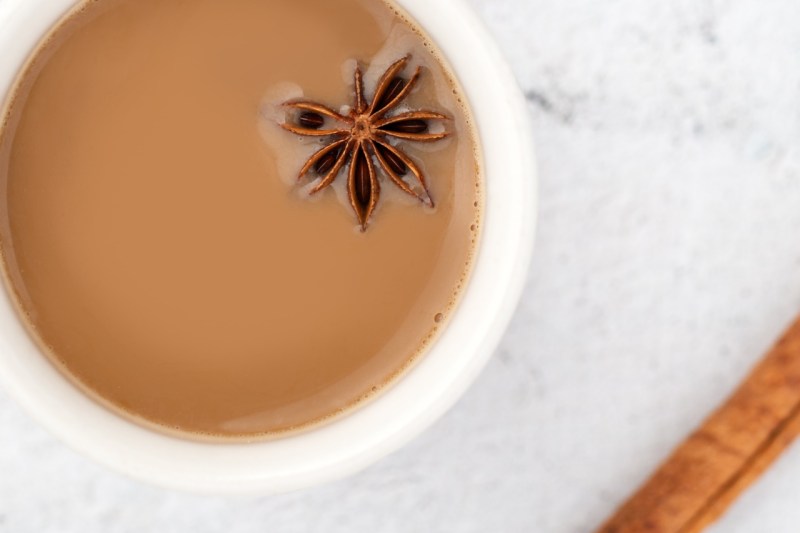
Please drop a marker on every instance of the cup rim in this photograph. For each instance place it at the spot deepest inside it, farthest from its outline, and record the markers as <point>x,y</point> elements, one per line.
<point>409,405</point>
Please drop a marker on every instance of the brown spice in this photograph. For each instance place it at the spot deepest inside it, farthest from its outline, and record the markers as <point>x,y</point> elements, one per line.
<point>311,120</point>
<point>392,90</point>
<point>394,163</point>
<point>366,132</point>
<point>362,180</point>
<point>409,126</point>
<point>706,473</point>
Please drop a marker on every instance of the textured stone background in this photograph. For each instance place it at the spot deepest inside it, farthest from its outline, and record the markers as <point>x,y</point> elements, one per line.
<point>668,259</point>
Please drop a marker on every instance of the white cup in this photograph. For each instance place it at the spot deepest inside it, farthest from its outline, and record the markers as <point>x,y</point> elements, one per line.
<point>382,425</point>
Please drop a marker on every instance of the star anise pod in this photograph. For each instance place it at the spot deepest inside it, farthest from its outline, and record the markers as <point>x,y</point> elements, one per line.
<point>362,138</point>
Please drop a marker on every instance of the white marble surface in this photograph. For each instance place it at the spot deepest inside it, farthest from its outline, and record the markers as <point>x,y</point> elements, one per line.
<point>668,259</point>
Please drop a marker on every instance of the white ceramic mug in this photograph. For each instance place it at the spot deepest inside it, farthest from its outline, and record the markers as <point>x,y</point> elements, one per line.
<point>409,405</point>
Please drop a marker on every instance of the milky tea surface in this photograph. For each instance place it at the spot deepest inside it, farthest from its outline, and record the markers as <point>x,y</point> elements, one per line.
<point>156,238</point>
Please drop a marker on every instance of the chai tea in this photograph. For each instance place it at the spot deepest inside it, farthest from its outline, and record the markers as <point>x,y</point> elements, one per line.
<point>235,218</point>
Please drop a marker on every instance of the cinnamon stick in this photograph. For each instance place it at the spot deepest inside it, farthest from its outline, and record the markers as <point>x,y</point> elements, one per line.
<point>706,473</point>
